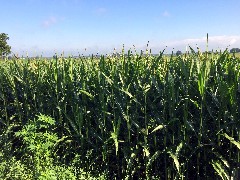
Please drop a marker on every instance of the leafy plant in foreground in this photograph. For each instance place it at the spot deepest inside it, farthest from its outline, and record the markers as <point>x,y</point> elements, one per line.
<point>40,142</point>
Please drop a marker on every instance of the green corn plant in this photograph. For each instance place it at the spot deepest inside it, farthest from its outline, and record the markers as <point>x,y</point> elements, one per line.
<point>128,110</point>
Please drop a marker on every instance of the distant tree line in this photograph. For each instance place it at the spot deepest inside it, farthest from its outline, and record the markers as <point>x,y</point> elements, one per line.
<point>178,53</point>
<point>235,50</point>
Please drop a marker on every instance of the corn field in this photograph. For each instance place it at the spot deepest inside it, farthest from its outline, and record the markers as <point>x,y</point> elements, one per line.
<point>132,116</point>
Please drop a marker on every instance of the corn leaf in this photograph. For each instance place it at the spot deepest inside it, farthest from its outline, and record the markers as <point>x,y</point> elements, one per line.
<point>232,140</point>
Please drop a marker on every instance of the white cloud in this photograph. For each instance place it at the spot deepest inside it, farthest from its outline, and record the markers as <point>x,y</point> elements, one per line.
<point>100,11</point>
<point>215,41</point>
<point>166,14</point>
<point>50,21</point>
<point>225,40</point>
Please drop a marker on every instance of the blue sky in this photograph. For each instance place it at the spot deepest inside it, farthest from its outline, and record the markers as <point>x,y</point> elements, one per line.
<point>49,26</point>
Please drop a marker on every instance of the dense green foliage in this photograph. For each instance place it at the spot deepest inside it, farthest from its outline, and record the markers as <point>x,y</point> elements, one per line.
<point>235,50</point>
<point>5,49</point>
<point>37,155</point>
<point>127,116</point>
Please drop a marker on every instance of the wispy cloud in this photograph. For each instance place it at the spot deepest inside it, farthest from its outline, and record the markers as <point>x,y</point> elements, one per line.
<point>230,40</point>
<point>66,2</point>
<point>166,14</point>
<point>100,11</point>
<point>52,20</point>
<point>49,22</point>
<point>215,40</point>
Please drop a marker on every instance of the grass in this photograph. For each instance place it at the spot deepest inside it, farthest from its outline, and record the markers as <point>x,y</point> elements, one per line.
<point>127,116</point>
<point>237,55</point>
